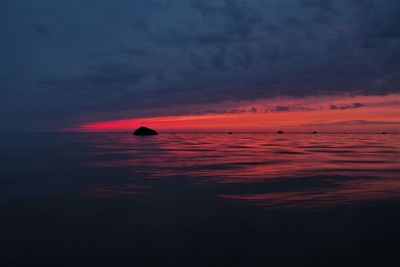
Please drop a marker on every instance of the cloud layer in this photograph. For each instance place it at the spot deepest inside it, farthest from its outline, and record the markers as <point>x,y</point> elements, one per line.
<point>66,62</point>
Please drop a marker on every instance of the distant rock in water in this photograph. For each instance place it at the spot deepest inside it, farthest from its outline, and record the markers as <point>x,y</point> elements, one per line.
<point>315,132</point>
<point>229,132</point>
<point>144,131</point>
<point>383,132</point>
<point>279,132</point>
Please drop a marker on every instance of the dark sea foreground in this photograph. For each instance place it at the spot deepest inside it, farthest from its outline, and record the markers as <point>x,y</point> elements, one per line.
<point>113,199</point>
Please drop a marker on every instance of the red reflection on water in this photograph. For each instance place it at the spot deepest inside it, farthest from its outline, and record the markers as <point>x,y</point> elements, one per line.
<point>118,190</point>
<point>350,191</point>
<point>252,159</point>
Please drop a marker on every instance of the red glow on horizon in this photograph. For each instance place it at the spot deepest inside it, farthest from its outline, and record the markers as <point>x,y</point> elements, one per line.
<point>375,114</point>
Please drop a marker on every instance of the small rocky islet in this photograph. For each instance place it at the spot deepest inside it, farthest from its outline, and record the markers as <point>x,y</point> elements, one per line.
<point>145,131</point>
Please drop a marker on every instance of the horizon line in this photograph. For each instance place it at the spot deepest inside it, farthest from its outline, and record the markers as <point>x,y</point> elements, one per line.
<point>178,132</point>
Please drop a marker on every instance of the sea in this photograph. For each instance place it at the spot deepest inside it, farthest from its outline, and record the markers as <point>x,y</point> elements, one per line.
<point>199,199</point>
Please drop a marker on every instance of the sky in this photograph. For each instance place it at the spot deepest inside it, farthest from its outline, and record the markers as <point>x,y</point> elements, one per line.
<point>255,65</point>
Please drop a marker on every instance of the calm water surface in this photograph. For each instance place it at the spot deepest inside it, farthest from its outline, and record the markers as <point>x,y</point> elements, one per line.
<point>314,170</point>
<point>199,199</point>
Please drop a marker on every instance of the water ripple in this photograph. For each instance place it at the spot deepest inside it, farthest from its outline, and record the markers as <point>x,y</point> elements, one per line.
<point>248,159</point>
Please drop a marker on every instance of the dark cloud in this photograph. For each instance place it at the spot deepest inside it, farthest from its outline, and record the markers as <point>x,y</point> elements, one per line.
<point>127,58</point>
<point>345,106</point>
<point>289,108</point>
<point>121,51</point>
<point>258,109</point>
<point>133,51</point>
<point>333,107</point>
<point>40,29</point>
<point>358,105</point>
<point>101,54</point>
<point>354,122</point>
<point>228,111</point>
<point>229,21</point>
<point>103,79</point>
<point>240,18</point>
<point>323,5</point>
<point>364,5</point>
<point>218,60</point>
<point>282,108</point>
<point>177,37</point>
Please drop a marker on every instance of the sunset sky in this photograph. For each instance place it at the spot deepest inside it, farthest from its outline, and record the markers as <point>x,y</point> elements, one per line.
<point>293,65</point>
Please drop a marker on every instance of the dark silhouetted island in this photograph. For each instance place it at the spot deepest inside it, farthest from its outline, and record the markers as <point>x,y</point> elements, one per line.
<point>315,132</point>
<point>229,132</point>
<point>145,131</point>
<point>279,132</point>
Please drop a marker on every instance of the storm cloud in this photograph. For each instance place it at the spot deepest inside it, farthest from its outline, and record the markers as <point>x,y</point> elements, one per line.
<point>66,62</point>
